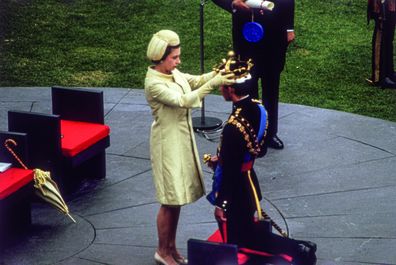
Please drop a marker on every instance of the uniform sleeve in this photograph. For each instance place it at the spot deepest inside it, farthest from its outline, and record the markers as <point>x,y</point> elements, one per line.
<point>287,11</point>
<point>231,159</point>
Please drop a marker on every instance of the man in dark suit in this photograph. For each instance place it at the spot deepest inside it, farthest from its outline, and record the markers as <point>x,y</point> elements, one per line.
<point>238,194</point>
<point>268,54</point>
<point>384,14</point>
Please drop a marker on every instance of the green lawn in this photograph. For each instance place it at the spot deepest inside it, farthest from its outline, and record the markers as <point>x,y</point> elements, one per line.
<point>103,43</point>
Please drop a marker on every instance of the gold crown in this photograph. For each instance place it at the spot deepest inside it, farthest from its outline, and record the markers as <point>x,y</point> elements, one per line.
<point>234,65</point>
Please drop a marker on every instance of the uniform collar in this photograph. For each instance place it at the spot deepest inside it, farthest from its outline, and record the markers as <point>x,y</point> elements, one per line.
<point>243,101</point>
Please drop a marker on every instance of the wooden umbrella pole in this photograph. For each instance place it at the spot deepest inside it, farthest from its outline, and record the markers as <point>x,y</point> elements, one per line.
<point>12,141</point>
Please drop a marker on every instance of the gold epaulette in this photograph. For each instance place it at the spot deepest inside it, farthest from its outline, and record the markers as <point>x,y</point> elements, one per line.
<point>255,100</point>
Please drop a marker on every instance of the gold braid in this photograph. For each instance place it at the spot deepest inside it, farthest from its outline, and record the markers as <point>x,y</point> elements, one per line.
<point>249,135</point>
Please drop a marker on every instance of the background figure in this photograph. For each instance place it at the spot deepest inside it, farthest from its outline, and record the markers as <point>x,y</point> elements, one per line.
<point>175,161</point>
<point>243,139</point>
<point>384,13</point>
<point>268,55</point>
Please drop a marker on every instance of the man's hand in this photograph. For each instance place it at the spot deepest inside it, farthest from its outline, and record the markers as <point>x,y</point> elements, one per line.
<point>240,5</point>
<point>290,36</point>
<point>220,215</point>
<point>212,163</point>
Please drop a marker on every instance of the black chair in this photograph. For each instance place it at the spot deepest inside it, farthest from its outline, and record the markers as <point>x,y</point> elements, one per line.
<point>202,252</point>
<point>16,193</point>
<point>45,136</point>
<point>84,105</point>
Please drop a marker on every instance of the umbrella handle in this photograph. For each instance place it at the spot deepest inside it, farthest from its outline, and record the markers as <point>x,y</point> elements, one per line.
<point>12,141</point>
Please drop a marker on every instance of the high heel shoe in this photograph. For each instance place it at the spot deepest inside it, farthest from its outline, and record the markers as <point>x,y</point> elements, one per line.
<point>180,259</point>
<point>159,260</point>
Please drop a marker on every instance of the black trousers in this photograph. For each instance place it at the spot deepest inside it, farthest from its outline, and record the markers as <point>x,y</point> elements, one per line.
<point>382,48</point>
<point>270,80</point>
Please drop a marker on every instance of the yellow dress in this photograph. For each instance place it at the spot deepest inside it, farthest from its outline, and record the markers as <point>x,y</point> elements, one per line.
<point>175,162</point>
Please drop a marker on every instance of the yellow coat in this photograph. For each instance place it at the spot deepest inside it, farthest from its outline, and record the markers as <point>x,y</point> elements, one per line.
<point>175,161</point>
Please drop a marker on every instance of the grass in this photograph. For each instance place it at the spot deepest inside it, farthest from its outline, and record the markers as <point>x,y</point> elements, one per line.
<point>102,43</point>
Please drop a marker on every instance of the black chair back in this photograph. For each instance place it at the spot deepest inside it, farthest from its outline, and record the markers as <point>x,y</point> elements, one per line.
<point>202,252</point>
<point>78,104</point>
<point>43,133</point>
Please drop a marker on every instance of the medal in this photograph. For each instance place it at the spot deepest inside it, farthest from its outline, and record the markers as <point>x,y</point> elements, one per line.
<point>253,31</point>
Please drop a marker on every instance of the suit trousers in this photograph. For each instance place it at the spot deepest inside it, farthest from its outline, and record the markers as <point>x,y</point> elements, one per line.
<point>382,48</point>
<point>270,81</point>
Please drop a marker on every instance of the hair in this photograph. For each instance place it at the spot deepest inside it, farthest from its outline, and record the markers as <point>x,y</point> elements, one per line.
<point>242,89</point>
<point>168,50</point>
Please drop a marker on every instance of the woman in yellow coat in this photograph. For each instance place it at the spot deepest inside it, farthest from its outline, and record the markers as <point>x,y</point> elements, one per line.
<point>175,161</point>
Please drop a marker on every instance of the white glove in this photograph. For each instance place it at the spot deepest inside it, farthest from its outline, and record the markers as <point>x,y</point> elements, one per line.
<point>221,79</point>
<point>216,81</point>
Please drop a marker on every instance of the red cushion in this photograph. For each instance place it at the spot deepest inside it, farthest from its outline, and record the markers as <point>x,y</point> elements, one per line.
<point>78,136</point>
<point>13,179</point>
<point>216,237</point>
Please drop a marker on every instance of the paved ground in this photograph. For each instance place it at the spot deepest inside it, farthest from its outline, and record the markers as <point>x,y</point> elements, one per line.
<point>334,184</point>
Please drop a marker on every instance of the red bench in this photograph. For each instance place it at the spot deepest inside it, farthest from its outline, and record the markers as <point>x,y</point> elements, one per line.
<point>16,188</point>
<point>71,141</point>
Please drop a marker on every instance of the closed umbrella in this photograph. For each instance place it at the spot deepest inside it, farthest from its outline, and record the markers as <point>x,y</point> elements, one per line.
<point>46,188</point>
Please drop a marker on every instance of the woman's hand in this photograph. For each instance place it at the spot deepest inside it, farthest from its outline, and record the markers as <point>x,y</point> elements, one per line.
<point>222,79</point>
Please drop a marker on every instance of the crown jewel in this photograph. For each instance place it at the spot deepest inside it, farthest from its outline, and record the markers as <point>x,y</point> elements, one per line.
<point>234,65</point>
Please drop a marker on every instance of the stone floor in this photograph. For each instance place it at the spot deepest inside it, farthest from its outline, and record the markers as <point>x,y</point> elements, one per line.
<point>334,184</point>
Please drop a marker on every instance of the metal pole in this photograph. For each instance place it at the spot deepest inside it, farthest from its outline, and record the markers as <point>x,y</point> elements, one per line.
<point>204,123</point>
<point>201,51</point>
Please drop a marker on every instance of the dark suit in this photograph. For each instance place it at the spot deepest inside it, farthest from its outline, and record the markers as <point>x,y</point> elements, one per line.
<point>384,16</point>
<point>236,195</point>
<point>268,54</point>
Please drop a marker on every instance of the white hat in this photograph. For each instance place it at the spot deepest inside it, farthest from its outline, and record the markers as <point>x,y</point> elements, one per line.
<point>159,42</point>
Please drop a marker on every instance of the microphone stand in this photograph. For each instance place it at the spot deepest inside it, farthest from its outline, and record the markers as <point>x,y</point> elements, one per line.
<point>203,123</point>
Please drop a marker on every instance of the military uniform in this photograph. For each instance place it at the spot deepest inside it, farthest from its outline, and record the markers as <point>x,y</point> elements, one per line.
<point>384,15</point>
<point>234,194</point>
<point>243,139</point>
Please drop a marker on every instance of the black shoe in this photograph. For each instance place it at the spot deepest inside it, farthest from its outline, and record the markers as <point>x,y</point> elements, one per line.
<point>309,244</point>
<point>275,143</point>
<point>393,77</point>
<point>387,83</point>
<point>304,250</point>
<point>304,256</point>
<point>312,245</point>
